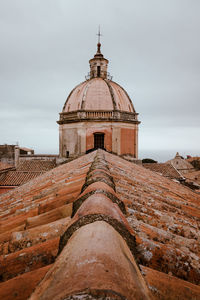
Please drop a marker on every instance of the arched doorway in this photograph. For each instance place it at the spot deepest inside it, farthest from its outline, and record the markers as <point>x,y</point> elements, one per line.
<point>99,140</point>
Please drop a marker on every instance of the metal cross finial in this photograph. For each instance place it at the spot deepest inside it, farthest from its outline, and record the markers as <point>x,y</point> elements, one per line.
<point>99,35</point>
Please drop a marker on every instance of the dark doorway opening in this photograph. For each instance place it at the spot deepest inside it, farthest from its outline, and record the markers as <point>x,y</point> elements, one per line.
<point>98,71</point>
<point>98,140</point>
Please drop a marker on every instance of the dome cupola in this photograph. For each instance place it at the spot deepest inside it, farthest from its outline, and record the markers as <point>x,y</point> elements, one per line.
<point>98,64</point>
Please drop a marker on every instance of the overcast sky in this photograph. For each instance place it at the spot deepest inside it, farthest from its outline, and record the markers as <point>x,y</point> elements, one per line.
<point>153,47</point>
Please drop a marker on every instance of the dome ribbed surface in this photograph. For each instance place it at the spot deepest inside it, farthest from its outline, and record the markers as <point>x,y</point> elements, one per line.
<point>98,94</point>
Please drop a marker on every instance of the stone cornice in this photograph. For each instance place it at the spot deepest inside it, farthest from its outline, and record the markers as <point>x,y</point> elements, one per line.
<point>98,116</point>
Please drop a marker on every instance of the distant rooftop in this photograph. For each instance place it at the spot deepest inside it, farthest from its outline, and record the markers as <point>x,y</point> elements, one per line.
<point>165,169</point>
<point>25,171</point>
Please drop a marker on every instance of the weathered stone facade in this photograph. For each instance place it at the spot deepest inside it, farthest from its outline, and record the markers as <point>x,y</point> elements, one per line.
<point>98,113</point>
<point>10,153</point>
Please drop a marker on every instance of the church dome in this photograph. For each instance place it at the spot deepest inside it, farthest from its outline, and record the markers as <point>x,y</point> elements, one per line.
<point>98,94</point>
<point>98,113</point>
<point>98,97</point>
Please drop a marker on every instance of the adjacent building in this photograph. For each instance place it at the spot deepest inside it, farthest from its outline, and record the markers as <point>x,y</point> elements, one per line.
<point>19,165</point>
<point>181,164</point>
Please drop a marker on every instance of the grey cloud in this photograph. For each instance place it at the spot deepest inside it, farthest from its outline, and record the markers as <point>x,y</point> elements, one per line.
<point>153,47</point>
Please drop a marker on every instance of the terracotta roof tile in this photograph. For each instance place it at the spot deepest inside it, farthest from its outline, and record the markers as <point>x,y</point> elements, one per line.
<point>164,286</point>
<point>105,267</point>
<point>50,216</point>
<point>190,159</point>
<point>163,214</point>
<point>36,165</point>
<point>166,170</point>
<point>122,214</point>
<point>23,285</point>
<point>17,220</point>
<point>26,149</point>
<point>56,202</point>
<point>5,166</point>
<point>5,237</point>
<point>49,188</point>
<point>30,237</point>
<point>26,170</point>
<point>193,176</point>
<point>28,259</point>
<point>16,178</point>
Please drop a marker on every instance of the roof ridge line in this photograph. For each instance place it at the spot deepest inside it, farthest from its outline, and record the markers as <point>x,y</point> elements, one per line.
<point>99,215</point>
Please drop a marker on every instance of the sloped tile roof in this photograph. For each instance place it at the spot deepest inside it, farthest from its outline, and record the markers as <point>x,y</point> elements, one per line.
<point>26,170</point>
<point>26,149</point>
<point>191,159</point>
<point>15,178</point>
<point>165,216</point>
<point>4,166</point>
<point>180,164</point>
<point>36,165</point>
<point>193,176</point>
<point>99,227</point>
<point>166,170</point>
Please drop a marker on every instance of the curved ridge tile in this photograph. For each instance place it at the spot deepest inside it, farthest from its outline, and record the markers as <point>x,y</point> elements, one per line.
<point>111,195</point>
<point>98,207</point>
<point>99,172</point>
<point>96,258</point>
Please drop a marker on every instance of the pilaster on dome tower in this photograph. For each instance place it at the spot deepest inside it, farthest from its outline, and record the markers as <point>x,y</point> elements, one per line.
<point>98,64</point>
